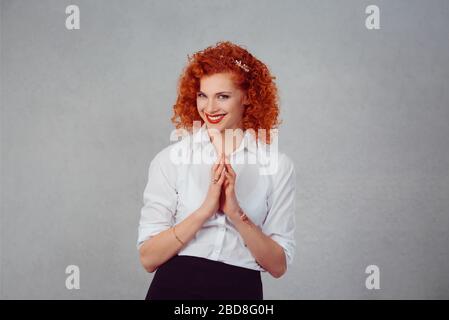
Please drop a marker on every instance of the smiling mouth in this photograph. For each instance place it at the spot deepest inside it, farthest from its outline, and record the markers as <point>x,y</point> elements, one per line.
<point>215,118</point>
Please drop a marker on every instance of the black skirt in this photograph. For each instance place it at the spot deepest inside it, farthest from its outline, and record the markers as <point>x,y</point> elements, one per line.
<point>194,278</point>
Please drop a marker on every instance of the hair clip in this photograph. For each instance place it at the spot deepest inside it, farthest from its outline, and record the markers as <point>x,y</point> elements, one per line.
<point>239,63</point>
<point>242,65</point>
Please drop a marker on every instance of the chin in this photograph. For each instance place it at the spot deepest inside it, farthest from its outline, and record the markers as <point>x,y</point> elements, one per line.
<point>218,126</point>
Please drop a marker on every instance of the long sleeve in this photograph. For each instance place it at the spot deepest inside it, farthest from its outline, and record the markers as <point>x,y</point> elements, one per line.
<point>280,223</point>
<point>159,199</point>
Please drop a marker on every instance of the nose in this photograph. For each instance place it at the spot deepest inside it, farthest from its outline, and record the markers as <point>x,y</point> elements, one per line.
<point>210,107</point>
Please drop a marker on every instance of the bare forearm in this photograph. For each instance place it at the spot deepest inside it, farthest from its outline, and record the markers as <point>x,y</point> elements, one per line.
<point>267,252</point>
<point>160,248</point>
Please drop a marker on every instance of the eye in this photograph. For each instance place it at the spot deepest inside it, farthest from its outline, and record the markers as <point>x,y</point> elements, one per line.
<point>200,95</point>
<point>225,96</point>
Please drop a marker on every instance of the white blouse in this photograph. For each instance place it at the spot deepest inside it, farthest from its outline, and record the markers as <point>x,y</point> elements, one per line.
<point>178,181</point>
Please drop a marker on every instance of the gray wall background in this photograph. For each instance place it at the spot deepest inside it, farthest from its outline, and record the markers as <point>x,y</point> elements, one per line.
<point>366,120</point>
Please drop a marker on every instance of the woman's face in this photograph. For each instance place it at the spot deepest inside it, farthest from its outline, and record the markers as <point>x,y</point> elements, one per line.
<point>219,102</point>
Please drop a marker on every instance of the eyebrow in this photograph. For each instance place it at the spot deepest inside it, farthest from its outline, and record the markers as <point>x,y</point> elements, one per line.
<point>218,93</point>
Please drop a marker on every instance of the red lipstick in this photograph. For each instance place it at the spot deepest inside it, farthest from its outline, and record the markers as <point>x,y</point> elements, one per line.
<point>214,118</point>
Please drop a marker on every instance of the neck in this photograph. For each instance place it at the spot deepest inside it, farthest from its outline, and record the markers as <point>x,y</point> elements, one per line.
<point>227,143</point>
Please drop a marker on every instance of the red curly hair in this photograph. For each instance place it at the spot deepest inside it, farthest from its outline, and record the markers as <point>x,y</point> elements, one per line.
<point>262,110</point>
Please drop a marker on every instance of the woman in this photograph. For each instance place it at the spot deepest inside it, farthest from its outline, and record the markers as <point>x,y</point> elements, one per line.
<point>212,219</point>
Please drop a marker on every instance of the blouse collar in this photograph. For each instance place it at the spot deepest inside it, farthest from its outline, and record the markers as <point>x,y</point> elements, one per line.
<point>201,137</point>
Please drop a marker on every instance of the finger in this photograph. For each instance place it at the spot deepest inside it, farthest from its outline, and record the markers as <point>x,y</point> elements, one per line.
<point>230,177</point>
<point>229,166</point>
<point>222,177</point>
<point>219,170</point>
<point>220,162</point>
<point>217,162</point>
<point>230,170</point>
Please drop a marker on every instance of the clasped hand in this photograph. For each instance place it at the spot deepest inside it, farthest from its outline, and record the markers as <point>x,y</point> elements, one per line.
<point>221,194</point>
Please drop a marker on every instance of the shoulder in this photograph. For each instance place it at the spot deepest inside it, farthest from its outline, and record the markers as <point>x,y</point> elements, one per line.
<point>285,165</point>
<point>168,157</point>
<point>163,165</point>
<point>275,162</point>
<point>286,161</point>
<point>284,176</point>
